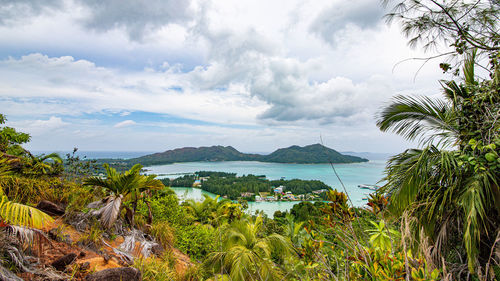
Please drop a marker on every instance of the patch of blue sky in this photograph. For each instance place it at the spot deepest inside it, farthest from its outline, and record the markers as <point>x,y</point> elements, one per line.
<point>176,88</point>
<point>122,60</point>
<point>151,119</point>
<point>220,89</point>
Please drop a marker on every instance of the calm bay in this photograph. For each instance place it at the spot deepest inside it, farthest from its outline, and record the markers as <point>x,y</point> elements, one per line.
<point>351,175</point>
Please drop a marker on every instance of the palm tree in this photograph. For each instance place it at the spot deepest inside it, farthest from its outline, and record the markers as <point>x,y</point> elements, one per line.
<point>120,186</point>
<point>439,187</point>
<point>204,211</point>
<point>40,166</point>
<point>19,214</point>
<point>247,255</point>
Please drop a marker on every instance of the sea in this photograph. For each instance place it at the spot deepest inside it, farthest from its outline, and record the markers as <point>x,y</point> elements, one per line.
<point>342,177</point>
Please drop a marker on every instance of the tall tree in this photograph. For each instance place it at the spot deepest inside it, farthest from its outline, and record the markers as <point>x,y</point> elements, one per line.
<point>11,140</point>
<point>121,186</point>
<point>451,28</point>
<point>439,188</point>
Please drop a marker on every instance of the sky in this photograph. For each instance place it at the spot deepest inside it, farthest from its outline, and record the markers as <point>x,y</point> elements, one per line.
<point>130,75</point>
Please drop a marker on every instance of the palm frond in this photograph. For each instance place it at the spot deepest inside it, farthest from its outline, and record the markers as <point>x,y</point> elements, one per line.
<point>22,215</point>
<point>474,201</point>
<point>415,117</point>
<point>53,156</point>
<point>110,211</point>
<point>469,63</point>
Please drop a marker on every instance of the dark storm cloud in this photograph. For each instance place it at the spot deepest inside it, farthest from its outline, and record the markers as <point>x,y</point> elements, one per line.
<point>365,14</point>
<point>14,11</point>
<point>134,15</point>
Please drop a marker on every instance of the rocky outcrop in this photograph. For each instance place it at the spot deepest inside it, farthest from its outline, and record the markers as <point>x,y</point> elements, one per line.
<point>50,208</point>
<point>61,263</point>
<point>116,274</point>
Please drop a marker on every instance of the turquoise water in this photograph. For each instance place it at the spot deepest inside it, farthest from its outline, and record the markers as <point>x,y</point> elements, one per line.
<point>351,175</point>
<point>268,207</point>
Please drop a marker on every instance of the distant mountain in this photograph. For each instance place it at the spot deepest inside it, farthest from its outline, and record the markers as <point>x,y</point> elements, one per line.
<point>196,154</point>
<point>311,154</point>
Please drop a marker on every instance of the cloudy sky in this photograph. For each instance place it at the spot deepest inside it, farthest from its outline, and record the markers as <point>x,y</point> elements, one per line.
<point>159,74</point>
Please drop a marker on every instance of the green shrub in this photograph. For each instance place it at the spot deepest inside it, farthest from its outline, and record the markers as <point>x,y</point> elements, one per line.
<point>196,240</point>
<point>154,269</point>
<point>163,208</point>
<point>92,237</point>
<point>29,190</point>
<point>163,233</point>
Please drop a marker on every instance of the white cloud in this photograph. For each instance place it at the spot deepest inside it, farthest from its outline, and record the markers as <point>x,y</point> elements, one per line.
<point>41,127</point>
<point>286,73</point>
<point>347,16</point>
<point>125,123</point>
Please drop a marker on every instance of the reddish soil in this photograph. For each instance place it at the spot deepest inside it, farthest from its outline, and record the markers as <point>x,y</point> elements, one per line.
<point>50,250</point>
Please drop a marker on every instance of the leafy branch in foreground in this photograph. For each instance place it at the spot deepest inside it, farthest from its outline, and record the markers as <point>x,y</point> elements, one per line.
<point>462,25</point>
<point>439,188</point>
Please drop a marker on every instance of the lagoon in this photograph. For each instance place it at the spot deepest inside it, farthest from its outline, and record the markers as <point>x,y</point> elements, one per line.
<point>351,175</point>
<point>268,208</point>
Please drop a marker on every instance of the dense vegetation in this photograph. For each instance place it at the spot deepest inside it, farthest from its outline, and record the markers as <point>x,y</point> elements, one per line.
<point>192,154</point>
<point>436,218</point>
<point>184,181</point>
<point>310,154</point>
<point>316,153</point>
<point>227,184</point>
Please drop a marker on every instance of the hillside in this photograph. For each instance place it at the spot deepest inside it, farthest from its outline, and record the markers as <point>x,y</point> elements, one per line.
<point>193,154</point>
<point>311,154</point>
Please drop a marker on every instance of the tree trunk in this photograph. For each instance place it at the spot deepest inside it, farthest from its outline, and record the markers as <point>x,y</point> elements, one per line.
<point>150,214</point>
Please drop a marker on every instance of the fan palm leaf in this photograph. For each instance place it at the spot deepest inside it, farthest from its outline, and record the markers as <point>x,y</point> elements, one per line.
<point>246,255</point>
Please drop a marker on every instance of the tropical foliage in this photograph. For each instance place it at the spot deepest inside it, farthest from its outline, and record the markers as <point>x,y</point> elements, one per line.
<point>439,24</point>
<point>440,188</point>
<point>120,186</point>
<point>245,255</point>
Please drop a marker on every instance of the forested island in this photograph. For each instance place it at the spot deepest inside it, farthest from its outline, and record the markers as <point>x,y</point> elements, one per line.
<point>248,187</point>
<point>311,154</point>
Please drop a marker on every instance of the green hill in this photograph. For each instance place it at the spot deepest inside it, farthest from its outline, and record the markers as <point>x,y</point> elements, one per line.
<point>193,154</point>
<point>311,154</point>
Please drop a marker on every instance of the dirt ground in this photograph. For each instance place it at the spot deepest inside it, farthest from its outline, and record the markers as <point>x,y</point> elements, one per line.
<point>87,260</point>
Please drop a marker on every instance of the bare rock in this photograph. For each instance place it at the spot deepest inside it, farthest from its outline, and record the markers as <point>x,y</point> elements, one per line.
<point>106,257</point>
<point>85,266</point>
<point>61,263</point>
<point>157,250</point>
<point>116,274</point>
<point>54,234</point>
<point>50,208</point>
